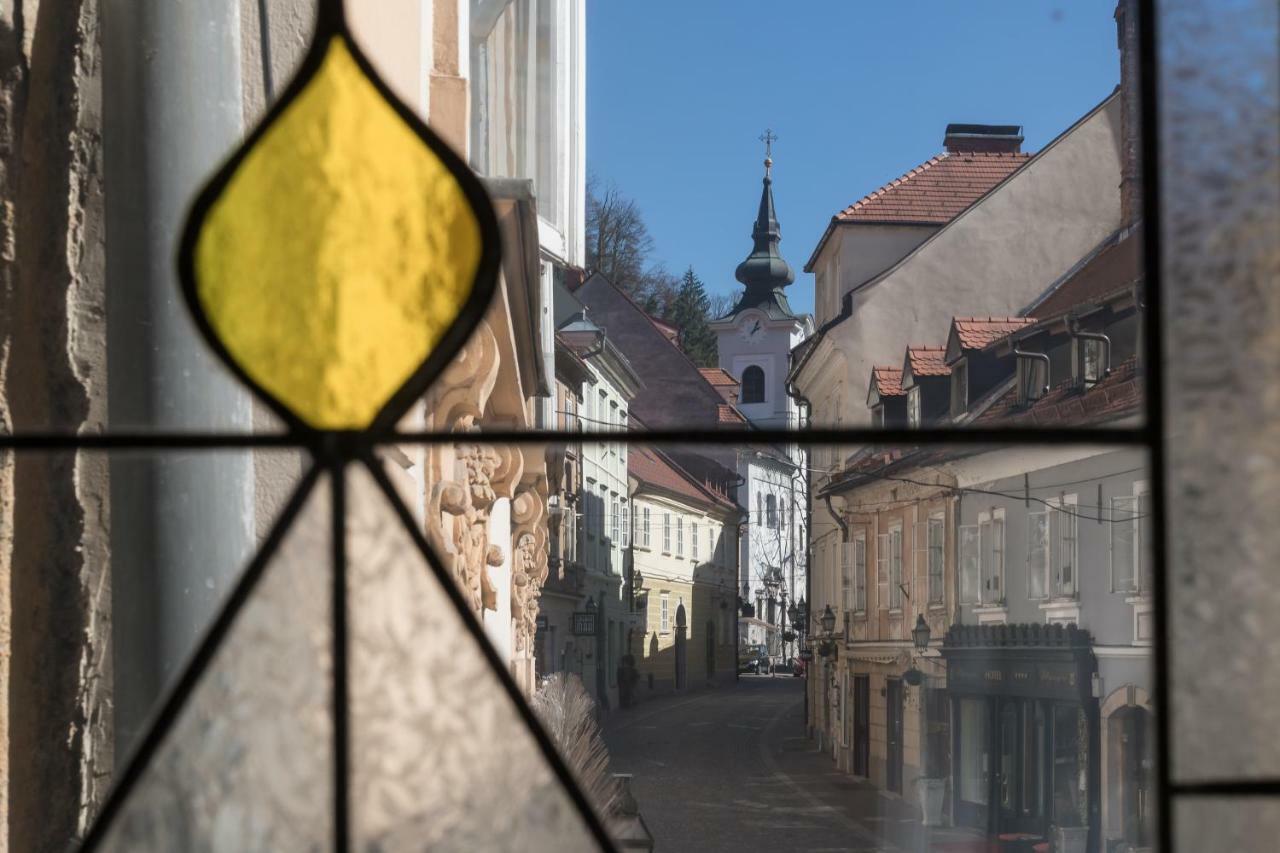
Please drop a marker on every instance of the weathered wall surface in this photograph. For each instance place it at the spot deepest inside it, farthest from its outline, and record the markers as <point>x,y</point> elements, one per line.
<point>53,514</point>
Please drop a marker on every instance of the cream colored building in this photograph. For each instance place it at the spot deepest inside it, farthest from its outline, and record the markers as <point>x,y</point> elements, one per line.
<point>684,568</point>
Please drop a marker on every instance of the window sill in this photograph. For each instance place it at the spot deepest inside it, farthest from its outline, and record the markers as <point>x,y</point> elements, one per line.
<point>990,615</point>
<point>937,607</point>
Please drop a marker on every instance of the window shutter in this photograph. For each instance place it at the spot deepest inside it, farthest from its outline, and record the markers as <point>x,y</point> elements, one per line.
<point>997,557</point>
<point>882,571</point>
<point>1123,543</point>
<point>1037,553</point>
<point>969,564</point>
<point>860,574</point>
<point>1144,542</point>
<point>846,576</point>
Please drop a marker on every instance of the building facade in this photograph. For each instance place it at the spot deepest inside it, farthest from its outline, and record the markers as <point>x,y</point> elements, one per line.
<point>684,565</point>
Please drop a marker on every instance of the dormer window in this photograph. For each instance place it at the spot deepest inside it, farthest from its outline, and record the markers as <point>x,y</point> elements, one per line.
<point>1088,360</point>
<point>959,388</point>
<point>877,415</point>
<point>753,385</point>
<point>1033,377</point>
<point>913,406</point>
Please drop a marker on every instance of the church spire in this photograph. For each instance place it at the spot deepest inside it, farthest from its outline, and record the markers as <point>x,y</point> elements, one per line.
<point>764,272</point>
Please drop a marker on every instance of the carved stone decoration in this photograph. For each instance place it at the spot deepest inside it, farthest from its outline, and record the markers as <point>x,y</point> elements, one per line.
<point>530,546</point>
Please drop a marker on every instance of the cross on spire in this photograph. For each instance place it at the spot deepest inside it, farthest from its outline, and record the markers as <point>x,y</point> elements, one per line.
<point>768,138</point>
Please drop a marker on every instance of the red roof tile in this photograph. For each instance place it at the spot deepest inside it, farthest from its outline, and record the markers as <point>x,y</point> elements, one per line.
<point>726,414</point>
<point>928,361</point>
<point>1114,268</point>
<point>888,381</point>
<point>1117,395</point>
<point>651,466</point>
<point>936,191</point>
<point>723,381</point>
<point>978,332</point>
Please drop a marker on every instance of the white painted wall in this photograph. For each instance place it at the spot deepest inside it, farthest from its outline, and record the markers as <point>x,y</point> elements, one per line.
<point>856,253</point>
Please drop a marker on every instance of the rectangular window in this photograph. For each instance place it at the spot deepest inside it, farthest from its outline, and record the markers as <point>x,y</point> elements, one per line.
<point>679,536</point>
<point>1088,360</point>
<point>913,406</point>
<point>615,521</point>
<point>895,568</point>
<point>626,525</point>
<point>970,562</point>
<point>1052,550</point>
<point>860,573</point>
<point>937,542</point>
<point>1130,541</point>
<point>664,613</point>
<point>666,532</point>
<point>991,541</point>
<point>693,539</point>
<point>645,531</point>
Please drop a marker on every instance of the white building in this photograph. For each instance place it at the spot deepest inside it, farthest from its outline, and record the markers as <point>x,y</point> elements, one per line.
<point>755,341</point>
<point>605,522</point>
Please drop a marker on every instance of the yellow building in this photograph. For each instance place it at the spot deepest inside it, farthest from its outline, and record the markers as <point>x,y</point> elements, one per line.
<point>684,562</point>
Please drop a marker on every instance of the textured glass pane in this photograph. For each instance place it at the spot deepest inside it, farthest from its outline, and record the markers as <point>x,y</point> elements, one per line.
<point>441,759</point>
<point>1220,189</point>
<point>339,251</point>
<point>248,764</point>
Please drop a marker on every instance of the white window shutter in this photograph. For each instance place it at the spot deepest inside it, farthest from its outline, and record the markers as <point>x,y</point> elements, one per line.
<point>1124,543</point>
<point>970,561</point>
<point>1037,553</point>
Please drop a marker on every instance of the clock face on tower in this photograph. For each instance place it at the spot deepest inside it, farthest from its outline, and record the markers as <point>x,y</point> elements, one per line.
<point>752,329</point>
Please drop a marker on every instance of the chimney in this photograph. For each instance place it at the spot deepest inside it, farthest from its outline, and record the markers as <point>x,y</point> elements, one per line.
<point>1130,113</point>
<point>983,138</point>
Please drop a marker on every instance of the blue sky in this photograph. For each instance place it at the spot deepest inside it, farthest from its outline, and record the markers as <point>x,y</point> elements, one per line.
<point>858,92</point>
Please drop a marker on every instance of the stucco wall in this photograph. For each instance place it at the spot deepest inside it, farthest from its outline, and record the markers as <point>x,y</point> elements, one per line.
<point>857,252</point>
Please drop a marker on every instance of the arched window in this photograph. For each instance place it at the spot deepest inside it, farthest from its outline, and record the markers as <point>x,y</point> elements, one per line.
<point>771,512</point>
<point>753,385</point>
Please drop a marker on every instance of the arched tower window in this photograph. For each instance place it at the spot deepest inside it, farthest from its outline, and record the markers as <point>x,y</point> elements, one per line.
<point>771,512</point>
<point>753,385</point>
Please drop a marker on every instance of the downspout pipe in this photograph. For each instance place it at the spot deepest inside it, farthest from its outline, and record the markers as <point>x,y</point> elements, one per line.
<point>182,524</point>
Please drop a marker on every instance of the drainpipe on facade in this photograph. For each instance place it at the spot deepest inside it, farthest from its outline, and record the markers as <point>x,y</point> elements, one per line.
<point>182,525</point>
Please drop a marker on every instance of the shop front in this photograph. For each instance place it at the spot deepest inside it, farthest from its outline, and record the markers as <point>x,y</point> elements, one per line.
<point>1025,729</point>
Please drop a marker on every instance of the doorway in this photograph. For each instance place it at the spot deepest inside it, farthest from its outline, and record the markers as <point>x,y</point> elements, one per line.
<point>1131,785</point>
<point>893,716</point>
<point>862,725</point>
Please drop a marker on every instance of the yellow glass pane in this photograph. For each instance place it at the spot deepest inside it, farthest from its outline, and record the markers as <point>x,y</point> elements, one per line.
<point>338,253</point>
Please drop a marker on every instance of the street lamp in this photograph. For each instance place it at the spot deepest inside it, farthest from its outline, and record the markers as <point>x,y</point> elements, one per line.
<point>920,633</point>
<point>828,621</point>
<point>793,613</point>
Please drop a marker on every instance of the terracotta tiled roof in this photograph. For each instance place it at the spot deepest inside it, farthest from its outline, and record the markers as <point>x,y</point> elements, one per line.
<point>928,361</point>
<point>726,414</point>
<point>888,381</point>
<point>722,381</point>
<point>1115,267</point>
<point>978,332</point>
<point>936,191</point>
<point>654,468</point>
<point>1117,395</point>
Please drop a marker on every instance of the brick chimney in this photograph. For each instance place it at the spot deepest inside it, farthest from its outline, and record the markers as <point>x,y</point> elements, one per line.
<point>984,138</point>
<point>1130,113</point>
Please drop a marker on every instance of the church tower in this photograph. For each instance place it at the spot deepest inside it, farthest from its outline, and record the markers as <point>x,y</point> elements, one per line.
<point>756,338</point>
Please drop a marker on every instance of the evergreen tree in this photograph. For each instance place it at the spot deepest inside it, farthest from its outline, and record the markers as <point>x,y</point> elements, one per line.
<point>690,313</point>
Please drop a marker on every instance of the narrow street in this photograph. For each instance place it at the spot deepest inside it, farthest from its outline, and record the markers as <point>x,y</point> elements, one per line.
<point>731,770</point>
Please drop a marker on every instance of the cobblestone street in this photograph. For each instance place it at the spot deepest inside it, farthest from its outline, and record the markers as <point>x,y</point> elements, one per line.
<point>731,770</point>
